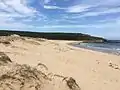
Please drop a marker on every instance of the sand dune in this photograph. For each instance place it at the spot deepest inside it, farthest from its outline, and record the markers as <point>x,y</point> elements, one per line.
<point>92,70</point>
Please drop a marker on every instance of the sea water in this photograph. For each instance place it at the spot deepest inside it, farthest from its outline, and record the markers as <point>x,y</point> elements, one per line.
<point>111,46</point>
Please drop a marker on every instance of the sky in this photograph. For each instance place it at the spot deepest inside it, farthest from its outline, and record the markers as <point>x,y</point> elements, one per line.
<point>94,17</point>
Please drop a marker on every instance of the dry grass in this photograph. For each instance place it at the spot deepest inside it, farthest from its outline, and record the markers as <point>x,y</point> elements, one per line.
<point>32,42</point>
<point>5,42</point>
<point>24,77</point>
<point>4,59</point>
<point>42,65</point>
<point>71,83</point>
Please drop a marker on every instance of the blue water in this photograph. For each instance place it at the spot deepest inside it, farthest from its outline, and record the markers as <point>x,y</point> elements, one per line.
<point>111,46</point>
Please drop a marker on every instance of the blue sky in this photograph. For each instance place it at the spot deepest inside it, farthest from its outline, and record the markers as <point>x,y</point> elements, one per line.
<point>95,17</point>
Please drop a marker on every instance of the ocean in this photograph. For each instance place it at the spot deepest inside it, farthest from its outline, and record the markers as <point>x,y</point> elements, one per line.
<point>111,46</point>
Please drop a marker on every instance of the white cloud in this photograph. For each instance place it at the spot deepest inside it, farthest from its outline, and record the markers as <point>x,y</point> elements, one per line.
<point>71,9</point>
<point>12,9</point>
<point>100,11</point>
<point>97,13</point>
<point>7,15</point>
<point>14,25</point>
<point>77,8</point>
<point>98,7</point>
<point>19,6</point>
<point>66,26</point>
<point>52,7</point>
<point>5,7</point>
<point>7,22</point>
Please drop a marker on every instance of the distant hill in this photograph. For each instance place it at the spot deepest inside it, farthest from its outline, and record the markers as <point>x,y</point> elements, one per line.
<point>53,35</point>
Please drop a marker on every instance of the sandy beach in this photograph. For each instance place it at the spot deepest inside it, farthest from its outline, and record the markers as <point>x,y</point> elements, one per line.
<point>92,70</point>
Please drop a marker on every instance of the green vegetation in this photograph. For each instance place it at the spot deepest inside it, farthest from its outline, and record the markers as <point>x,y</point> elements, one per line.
<point>54,36</point>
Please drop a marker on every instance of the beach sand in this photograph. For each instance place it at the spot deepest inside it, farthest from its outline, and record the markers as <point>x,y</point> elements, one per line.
<point>92,70</point>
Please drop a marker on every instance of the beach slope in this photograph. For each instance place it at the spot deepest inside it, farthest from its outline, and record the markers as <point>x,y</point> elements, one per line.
<point>92,70</point>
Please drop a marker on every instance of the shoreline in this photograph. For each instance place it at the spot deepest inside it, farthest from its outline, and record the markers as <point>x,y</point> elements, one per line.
<point>77,44</point>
